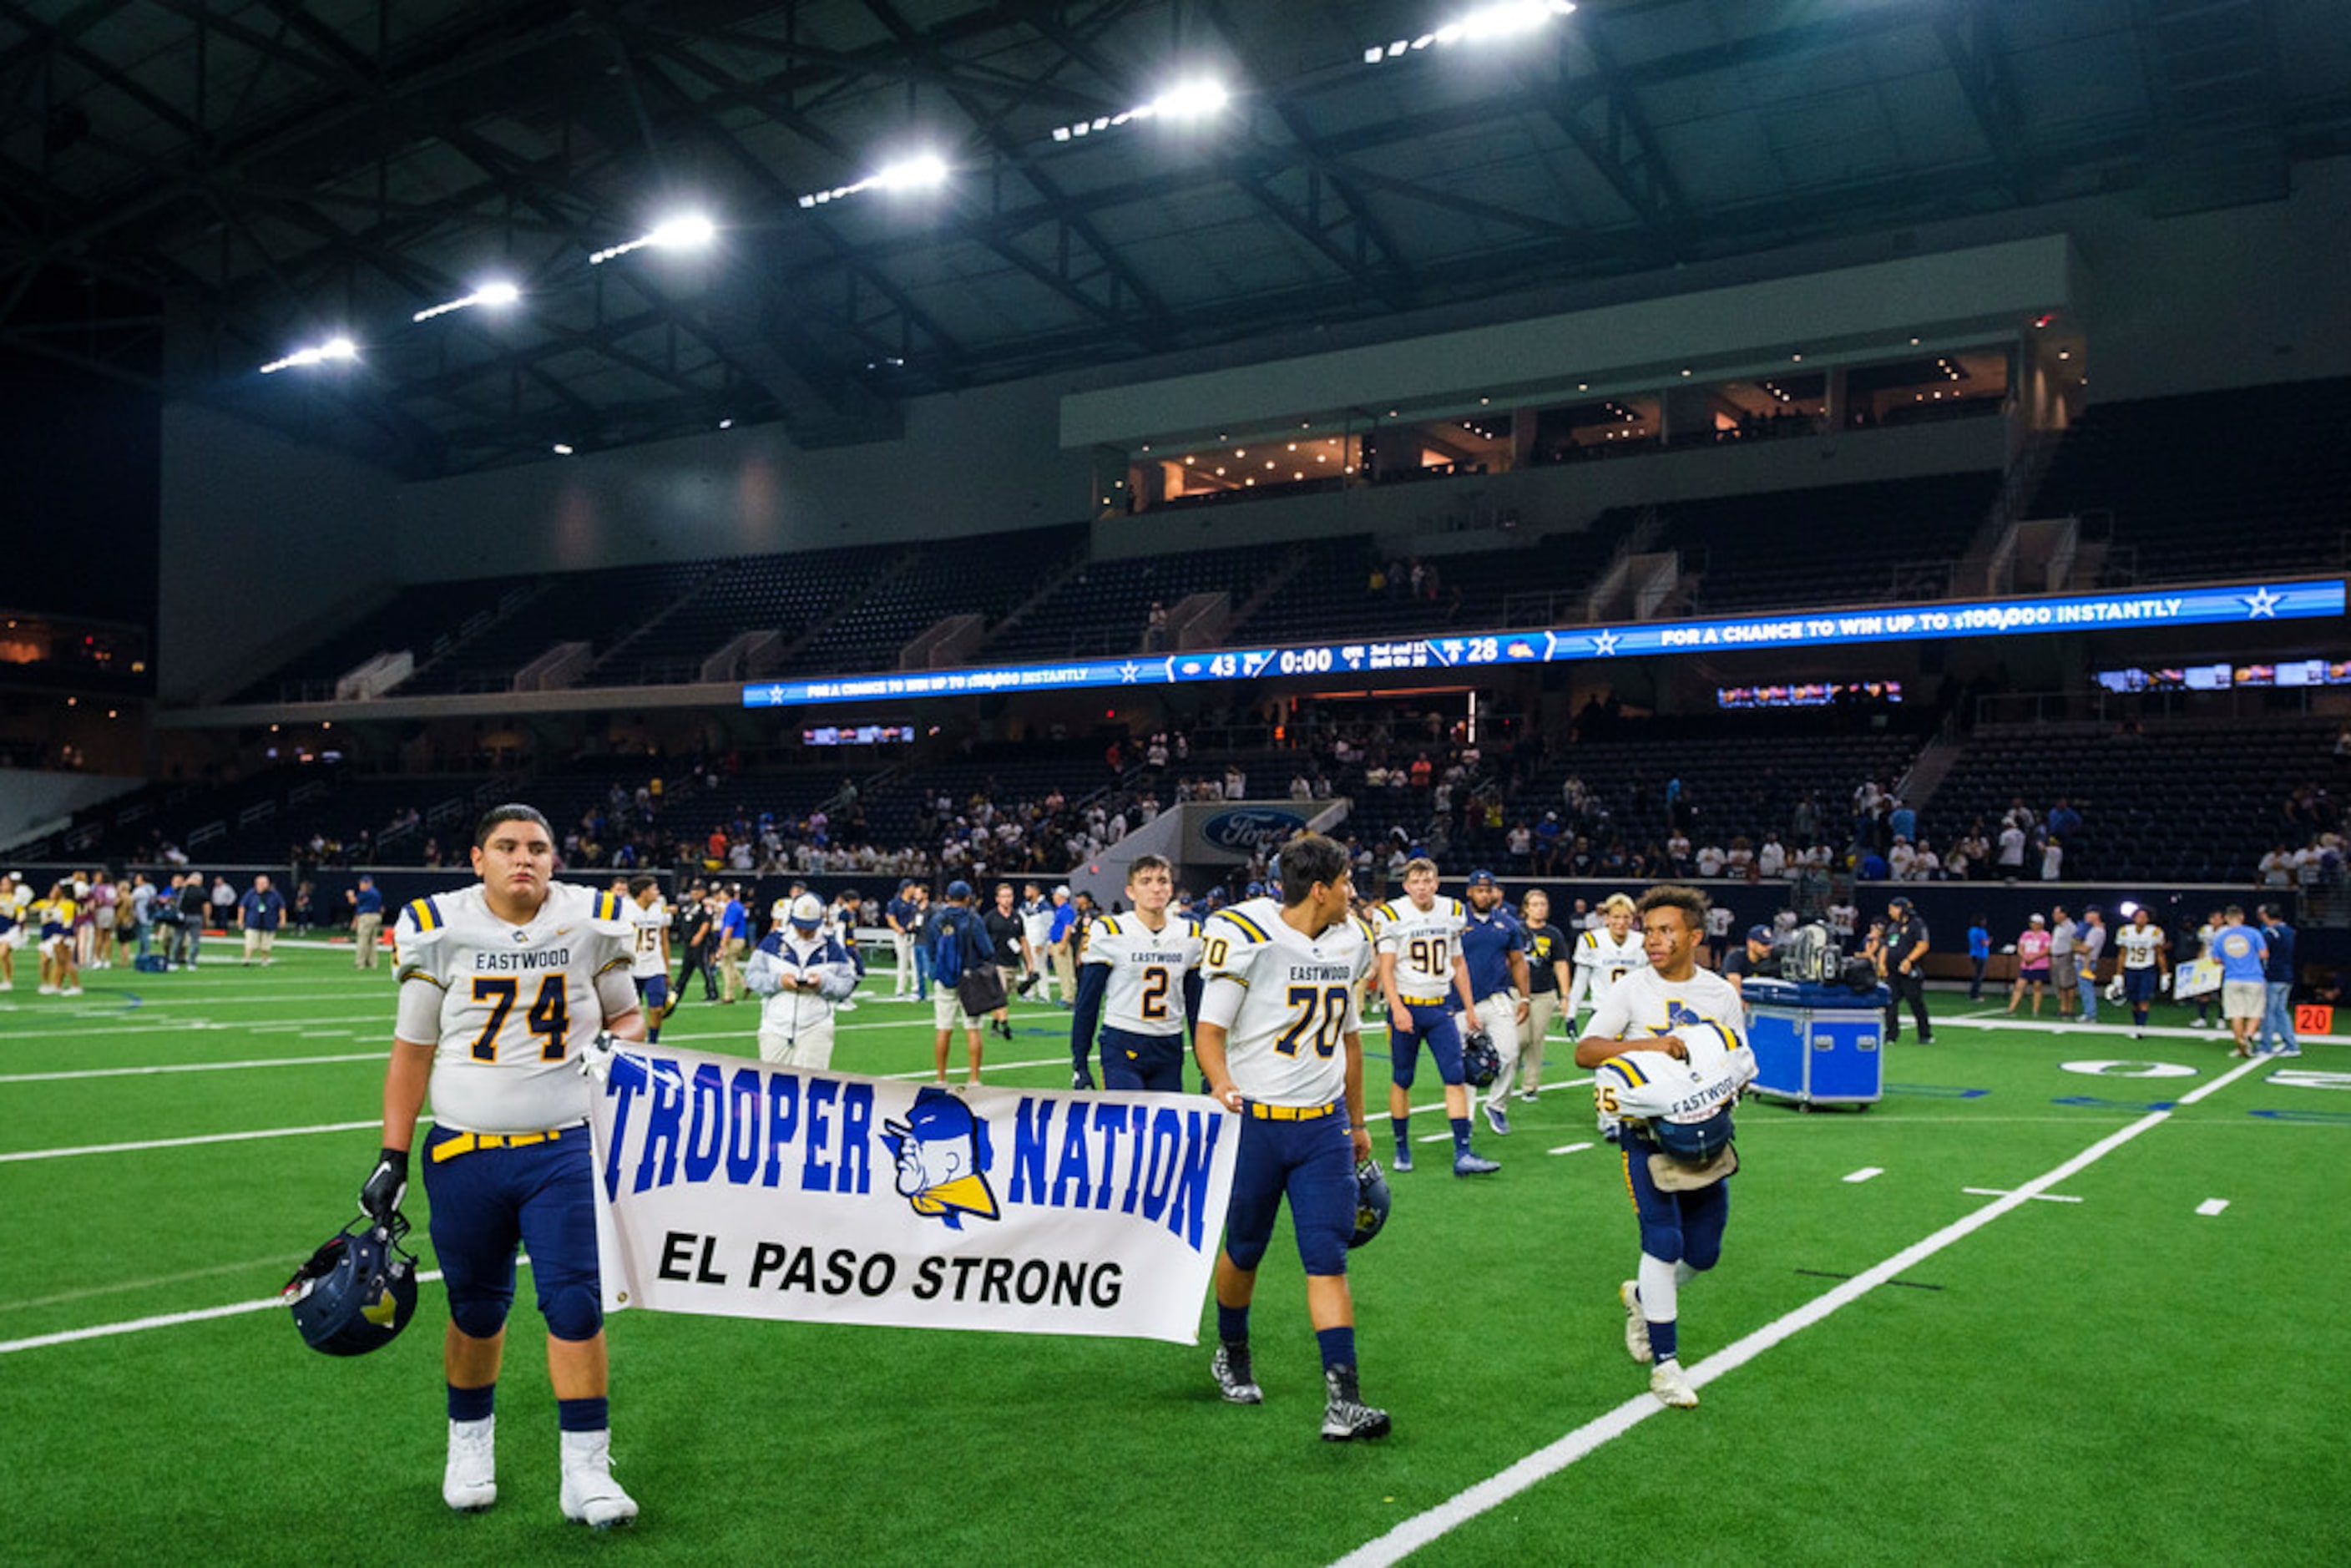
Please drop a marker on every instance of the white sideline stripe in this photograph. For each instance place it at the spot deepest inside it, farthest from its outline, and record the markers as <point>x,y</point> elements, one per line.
<point>1571,1148</point>
<point>164,1321</point>
<point>62,1297</point>
<point>376,1122</point>
<point>2003,1192</point>
<point>2211,1206</point>
<point>1865,1172</point>
<point>1543,1463</point>
<point>186,1067</point>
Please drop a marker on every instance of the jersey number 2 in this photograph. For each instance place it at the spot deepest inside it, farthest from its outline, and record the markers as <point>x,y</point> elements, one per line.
<point>1153,1004</point>
<point>549,1016</point>
<point>1319,1014</point>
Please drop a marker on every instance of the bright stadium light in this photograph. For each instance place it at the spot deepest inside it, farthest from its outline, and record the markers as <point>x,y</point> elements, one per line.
<point>687,231</point>
<point>1196,98</point>
<point>925,172</point>
<point>1505,19</point>
<point>334,349</point>
<point>498,293</point>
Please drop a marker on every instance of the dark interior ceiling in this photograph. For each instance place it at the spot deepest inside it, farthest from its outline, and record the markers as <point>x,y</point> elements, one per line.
<point>190,188</point>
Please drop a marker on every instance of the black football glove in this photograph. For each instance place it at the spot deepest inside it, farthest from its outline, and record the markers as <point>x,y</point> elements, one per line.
<point>386,1185</point>
<point>1082,1078</point>
<point>1478,1040</point>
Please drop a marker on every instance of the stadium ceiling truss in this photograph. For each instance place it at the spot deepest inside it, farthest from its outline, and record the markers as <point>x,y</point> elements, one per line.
<point>192,188</point>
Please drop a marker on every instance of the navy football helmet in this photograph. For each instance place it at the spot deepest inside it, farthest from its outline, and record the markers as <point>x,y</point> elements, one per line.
<point>1480,1062</point>
<point>1372,1201</point>
<point>357,1292</point>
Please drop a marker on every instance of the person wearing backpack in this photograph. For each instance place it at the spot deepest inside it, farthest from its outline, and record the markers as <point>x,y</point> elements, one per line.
<point>963,962</point>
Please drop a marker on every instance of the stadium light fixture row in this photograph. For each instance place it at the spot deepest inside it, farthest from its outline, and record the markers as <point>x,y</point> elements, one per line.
<point>332,349</point>
<point>496,294</point>
<point>688,231</point>
<point>1506,19</point>
<point>1195,99</point>
<point>926,172</point>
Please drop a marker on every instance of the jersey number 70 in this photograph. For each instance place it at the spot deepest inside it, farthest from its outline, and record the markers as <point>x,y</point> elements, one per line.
<point>1319,1015</point>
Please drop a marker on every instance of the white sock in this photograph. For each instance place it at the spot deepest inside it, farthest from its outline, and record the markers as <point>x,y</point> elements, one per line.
<point>1660,1290</point>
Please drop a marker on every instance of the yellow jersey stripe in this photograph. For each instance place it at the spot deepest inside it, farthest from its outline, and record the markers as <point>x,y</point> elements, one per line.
<point>1245,923</point>
<point>1625,1069</point>
<point>427,918</point>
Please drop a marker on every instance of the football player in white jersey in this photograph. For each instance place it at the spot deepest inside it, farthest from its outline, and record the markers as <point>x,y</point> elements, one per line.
<point>1604,955</point>
<point>2145,965</point>
<point>1280,1042</point>
<point>1419,942</point>
<point>1670,1012</point>
<point>502,986</point>
<point>649,957</point>
<point>1139,981</point>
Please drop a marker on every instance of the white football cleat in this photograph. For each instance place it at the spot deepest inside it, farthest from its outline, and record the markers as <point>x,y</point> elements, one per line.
<point>470,1483</point>
<point>1666,1382</point>
<point>1637,1327</point>
<point>589,1495</point>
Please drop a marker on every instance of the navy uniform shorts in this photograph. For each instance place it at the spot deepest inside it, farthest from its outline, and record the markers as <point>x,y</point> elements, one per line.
<point>2139,986</point>
<point>1141,1061</point>
<point>1436,1024</point>
<point>488,1201</point>
<point>1675,1227</point>
<point>1313,1163</point>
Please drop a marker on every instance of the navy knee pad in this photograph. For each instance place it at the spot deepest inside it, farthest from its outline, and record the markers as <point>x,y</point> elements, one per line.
<point>1246,1255</point>
<point>573,1310</point>
<point>479,1314</point>
<point>1663,1242</point>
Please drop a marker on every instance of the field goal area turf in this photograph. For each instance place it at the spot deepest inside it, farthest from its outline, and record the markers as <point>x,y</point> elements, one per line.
<point>2062,1295</point>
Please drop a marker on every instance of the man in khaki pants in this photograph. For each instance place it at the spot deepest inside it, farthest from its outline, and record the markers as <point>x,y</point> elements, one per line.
<point>367,921</point>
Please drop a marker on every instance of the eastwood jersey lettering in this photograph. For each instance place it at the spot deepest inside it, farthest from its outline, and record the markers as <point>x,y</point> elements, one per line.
<point>506,1006</point>
<point>1286,1001</point>
<point>1423,942</point>
<point>1605,960</point>
<point>1145,994</point>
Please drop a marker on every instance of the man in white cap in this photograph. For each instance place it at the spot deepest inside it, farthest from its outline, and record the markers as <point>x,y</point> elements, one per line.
<point>800,973</point>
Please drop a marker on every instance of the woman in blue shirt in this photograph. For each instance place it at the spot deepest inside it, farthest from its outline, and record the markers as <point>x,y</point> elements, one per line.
<point>1978,955</point>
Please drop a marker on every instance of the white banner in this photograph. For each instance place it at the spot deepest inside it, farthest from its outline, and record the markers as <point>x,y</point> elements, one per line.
<point>733,1188</point>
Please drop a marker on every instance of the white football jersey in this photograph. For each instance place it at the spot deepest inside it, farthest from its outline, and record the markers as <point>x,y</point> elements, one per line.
<point>1286,1002</point>
<point>1147,970</point>
<point>1605,960</point>
<point>2140,946</point>
<point>507,1007</point>
<point>1644,1004</point>
<point>1425,942</point>
<point>650,920</point>
<point>1655,1086</point>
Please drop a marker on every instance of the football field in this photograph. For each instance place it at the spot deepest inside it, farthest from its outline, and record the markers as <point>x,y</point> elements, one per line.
<point>2029,1308</point>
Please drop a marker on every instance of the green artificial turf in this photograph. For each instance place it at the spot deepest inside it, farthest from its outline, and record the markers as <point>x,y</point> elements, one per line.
<point>2118,1379</point>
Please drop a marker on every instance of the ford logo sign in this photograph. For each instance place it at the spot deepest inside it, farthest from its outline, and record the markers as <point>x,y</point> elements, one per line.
<point>1255,828</point>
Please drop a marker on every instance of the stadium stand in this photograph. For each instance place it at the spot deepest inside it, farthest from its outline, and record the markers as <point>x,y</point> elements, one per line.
<point>428,621</point>
<point>2185,482</point>
<point>2189,803</point>
<point>1838,544</point>
<point>598,608</point>
<point>1106,607</point>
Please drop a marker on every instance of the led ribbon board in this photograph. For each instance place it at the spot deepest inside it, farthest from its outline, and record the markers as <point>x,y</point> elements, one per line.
<point>2236,604</point>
